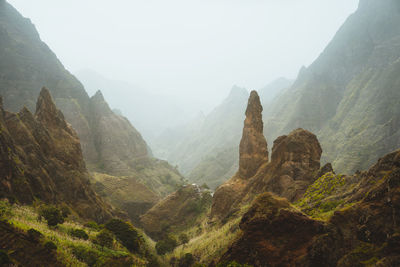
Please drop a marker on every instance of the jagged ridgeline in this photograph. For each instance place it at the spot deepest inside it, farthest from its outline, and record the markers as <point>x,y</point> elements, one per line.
<point>41,159</point>
<point>111,146</point>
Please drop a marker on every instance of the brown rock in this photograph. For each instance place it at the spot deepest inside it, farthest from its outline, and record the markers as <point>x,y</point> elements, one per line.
<point>253,151</point>
<point>41,158</point>
<point>274,234</point>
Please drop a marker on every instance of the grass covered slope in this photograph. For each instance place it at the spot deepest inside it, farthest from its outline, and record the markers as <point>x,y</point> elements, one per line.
<point>28,239</point>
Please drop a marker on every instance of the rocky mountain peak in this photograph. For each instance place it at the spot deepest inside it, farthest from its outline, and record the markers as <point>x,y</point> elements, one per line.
<point>47,112</point>
<point>253,150</point>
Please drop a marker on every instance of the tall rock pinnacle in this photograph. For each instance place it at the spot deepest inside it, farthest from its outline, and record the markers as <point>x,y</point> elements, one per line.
<point>253,150</point>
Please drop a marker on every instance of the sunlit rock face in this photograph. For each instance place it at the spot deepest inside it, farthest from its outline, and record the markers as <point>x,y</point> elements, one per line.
<point>253,150</point>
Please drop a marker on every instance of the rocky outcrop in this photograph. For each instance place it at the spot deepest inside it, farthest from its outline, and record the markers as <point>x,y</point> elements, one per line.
<point>179,211</point>
<point>41,158</point>
<point>362,229</point>
<point>274,233</point>
<point>253,150</point>
<point>295,161</point>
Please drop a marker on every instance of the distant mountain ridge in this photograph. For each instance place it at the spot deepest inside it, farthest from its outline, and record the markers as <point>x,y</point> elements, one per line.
<point>348,95</point>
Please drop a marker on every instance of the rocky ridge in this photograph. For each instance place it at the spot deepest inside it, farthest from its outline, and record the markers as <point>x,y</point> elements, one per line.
<point>41,159</point>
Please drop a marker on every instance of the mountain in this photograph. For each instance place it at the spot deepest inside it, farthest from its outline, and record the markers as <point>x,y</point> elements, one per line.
<point>349,95</point>
<point>285,210</point>
<point>110,144</point>
<point>204,151</point>
<point>41,159</point>
<point>272,90</point>
<point>151,113</point>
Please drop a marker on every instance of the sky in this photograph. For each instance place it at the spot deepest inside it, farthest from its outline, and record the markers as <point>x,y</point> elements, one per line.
<point>195,50</point>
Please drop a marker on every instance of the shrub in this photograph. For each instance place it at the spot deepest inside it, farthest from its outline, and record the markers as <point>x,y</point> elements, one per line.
<point>79,233</point>
<point>166,245</point>
<point>93,225</point>
<point>49,245</point>
<point>105,239</point>
<point>125,233</point>
<point>52,215</point>
<point>34,235</point>
<point>4,258</point>
<point>186,261</point>
<point>86,255</point>
<point>183,238</point>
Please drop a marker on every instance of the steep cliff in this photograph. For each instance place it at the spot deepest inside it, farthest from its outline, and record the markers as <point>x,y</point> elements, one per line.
<point>41,159</point>
<point>349,95</point>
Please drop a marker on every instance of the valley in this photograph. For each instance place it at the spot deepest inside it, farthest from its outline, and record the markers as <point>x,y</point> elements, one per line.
<point>302,172</point>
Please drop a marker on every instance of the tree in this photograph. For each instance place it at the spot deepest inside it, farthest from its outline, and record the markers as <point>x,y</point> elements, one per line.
<point>52,215</point>
<point>186,261</point>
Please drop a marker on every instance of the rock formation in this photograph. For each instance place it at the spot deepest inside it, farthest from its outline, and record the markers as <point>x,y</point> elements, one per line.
<point>295,161</point>
<point>363,230</point>
<point>253,150</point>
<point>41,158</point>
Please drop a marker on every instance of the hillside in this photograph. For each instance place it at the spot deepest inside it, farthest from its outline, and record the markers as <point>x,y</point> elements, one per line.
<point>110,144</point>
<point>349,95</point>
<point>41,160</point>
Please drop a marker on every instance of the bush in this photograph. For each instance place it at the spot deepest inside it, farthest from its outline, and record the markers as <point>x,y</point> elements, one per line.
<point>49,245</point>
<point>105,239</point>
<point>79,233</point>
<point>34,235</point>
<point>125,233</point>
<point>4,258</point>
<point>186,261</point>
<point>52,215</point>
<point>86,255</point>
<point>168,244</point>
<point>93,225</point>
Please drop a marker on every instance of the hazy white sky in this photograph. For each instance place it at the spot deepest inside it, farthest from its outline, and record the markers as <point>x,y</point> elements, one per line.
<point>196,49</point>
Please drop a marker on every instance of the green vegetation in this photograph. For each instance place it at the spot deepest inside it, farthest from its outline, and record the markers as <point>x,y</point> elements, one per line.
<point>105,239</point>
<point>316,202</point>
<point>127,234</point>
<point>72,251</point>
<point>79,233</point>
<point>52,215</point>
<point>166,245</point>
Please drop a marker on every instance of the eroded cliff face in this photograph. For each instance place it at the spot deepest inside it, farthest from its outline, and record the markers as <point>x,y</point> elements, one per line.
<point>253,150</point>
<point>41,158</point>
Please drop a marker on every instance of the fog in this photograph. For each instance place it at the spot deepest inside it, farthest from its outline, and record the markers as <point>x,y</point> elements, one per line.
<point>192,51</point>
